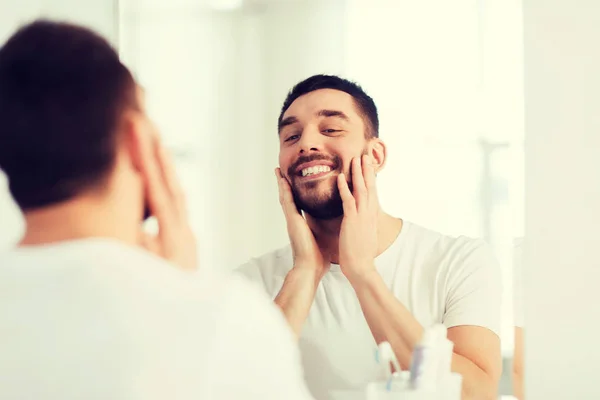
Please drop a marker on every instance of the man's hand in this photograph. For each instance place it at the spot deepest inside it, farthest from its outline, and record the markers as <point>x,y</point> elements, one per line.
<point>300,285</point>
<point>175,241</point>
<point>358,233</point>
<point>305,250</point>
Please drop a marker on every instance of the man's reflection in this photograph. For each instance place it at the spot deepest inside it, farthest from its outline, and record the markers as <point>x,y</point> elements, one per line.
<point>353,275</point>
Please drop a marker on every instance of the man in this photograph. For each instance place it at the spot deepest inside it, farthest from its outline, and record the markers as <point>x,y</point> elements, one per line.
<point>354,276</point>
<point>86,312</point>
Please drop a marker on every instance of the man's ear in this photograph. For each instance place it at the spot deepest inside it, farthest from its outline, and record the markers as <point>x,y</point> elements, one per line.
<point>378,152</point>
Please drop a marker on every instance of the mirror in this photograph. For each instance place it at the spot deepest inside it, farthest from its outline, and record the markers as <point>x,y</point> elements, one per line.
<point>445,76</point>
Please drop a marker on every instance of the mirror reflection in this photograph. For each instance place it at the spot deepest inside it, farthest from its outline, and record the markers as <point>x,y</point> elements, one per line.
<point>359,163</point>
<point>448,92</point>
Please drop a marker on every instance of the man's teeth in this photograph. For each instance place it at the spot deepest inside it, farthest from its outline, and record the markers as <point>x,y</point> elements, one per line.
<point>315,170</point>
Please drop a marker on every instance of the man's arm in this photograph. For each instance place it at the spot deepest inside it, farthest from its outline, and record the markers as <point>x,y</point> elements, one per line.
<point>518,364</point>
<point>518,319</point>
<point>473,296</point>
<point>296,296</point>
<point>476,350</point>
<point>300,285</point>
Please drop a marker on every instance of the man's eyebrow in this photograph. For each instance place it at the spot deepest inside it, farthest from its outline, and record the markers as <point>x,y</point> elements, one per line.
<point>333,113</point>
<point>287,121</point>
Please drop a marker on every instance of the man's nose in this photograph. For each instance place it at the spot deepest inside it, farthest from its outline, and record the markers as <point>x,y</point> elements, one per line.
<point>310,141</point>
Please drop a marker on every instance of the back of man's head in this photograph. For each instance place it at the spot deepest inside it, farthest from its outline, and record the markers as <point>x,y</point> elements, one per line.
<point>63,90</point>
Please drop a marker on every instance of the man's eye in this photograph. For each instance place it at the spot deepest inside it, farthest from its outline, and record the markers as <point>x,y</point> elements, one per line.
<point>330,130</point>
<point>293,137</point>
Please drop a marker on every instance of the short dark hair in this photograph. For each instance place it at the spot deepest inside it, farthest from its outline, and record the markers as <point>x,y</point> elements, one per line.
<point>364,102</point>
<point>63,90</point>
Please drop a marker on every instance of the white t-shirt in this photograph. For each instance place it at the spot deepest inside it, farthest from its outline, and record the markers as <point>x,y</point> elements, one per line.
<point>440,279</point>
<point>96,319</point>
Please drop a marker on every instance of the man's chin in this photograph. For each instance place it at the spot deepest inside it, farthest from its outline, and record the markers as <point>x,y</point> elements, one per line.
<point>315,192</point>
<point>326,215</point>
<point>323,210</point>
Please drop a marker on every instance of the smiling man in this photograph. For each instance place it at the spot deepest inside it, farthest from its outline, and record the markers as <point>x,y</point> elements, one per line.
<point>354,276</point>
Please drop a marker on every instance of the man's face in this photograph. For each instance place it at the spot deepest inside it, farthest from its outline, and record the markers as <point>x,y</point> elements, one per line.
<point>321,132</point>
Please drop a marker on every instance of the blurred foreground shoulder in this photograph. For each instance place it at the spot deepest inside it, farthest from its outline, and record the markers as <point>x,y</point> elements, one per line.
<point>259,358</point>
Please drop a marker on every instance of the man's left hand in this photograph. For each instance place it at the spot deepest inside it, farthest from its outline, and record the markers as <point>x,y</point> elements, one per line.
<point>358,233</point>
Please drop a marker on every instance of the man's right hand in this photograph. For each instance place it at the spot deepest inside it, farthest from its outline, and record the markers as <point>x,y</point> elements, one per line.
<point>300,285</point>
<point>175,241</point>
<point>305,250</point>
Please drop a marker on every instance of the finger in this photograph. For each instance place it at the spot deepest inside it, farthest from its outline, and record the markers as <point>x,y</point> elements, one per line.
<point>358,181</point>
<point>348,201</point>
<point>286,199</point>
<point>369,176</point>
<point>172,181</point>
<point>157,194</point>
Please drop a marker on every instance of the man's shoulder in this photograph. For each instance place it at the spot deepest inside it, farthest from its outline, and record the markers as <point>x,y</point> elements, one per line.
<point>434,241</point>
<point>268,265</point>
<point>449,252</point>
<point>83,254</point>
<point>105,263</point>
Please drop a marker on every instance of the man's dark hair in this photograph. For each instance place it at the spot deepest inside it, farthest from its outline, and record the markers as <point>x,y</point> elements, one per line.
<point>364,103</point>
<point>63,91</point>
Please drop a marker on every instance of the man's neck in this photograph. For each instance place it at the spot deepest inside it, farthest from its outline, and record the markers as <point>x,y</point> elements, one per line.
<point>76,219</point>
<point>327,233</point>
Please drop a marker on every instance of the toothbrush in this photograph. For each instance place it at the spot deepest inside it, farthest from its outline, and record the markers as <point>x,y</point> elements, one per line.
<point>387,356</point>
